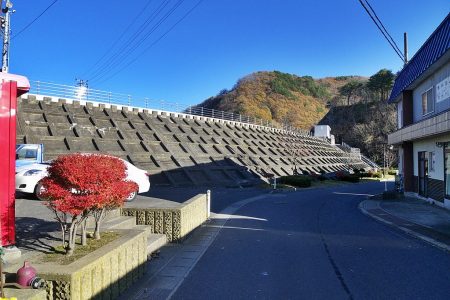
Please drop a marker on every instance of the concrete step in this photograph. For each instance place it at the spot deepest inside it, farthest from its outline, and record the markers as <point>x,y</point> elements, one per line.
<point>155,242</point>
<point>121,222</point>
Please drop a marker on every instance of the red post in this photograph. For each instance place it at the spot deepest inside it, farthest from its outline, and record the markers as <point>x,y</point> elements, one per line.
<point>11,87</point>
<point>8,106</point>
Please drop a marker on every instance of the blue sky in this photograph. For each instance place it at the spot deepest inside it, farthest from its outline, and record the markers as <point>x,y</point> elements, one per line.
<point>219,42</point>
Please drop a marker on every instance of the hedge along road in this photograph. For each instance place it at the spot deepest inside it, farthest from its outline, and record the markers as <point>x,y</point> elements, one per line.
<point>316,244</point>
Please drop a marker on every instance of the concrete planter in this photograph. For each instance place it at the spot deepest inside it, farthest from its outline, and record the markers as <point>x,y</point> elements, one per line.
<point>176,222</point>
<point>103,274</point>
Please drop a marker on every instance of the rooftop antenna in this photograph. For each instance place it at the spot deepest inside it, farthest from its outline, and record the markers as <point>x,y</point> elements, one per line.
<point>6,27</point>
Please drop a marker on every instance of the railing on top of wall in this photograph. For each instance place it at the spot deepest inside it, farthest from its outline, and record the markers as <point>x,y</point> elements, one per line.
<point>87,94</point>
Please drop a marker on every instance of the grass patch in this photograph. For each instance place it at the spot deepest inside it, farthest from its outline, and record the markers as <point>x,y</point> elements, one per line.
<point>59,254</point>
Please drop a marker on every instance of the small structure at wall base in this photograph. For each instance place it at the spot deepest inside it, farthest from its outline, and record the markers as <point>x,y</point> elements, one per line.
<point>12,86</point>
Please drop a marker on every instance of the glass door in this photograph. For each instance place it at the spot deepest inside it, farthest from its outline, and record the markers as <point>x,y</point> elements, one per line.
<point>447,172</point>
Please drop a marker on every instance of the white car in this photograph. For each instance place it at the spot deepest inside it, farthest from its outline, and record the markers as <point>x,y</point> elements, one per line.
<point>28,178</point>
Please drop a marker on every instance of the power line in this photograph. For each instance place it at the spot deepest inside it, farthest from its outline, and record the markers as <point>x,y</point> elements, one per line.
<point>34,20</point>
<point>384,28</point>
<point>380,27</point>
<point>120,37</point>
<point>154,43</point>
<point>119,53</point>
<point>148,34</point>
<point>127,52</point>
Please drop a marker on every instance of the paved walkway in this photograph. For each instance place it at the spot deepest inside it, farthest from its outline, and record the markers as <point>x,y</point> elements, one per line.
<point>168,270</point>
<point>413,216</point>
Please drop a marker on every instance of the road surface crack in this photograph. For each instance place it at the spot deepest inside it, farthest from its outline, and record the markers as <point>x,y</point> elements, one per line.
<point>336,270</point>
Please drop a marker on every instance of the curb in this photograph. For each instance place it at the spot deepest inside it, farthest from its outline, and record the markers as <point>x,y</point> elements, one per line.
<point>409,232</point>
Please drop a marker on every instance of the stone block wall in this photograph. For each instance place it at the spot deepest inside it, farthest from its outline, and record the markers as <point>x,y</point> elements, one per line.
<point>175,223</point>
<point>193,213</point>
<point>176,149</point>
<point>103,274</point>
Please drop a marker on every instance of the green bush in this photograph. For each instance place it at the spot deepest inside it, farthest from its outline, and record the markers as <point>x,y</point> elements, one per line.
<point>296,180</point>
<point>378,174</point>
<point>350,178</point>
<point>392,172</point>
<point>285,84</point>
<point>365,175</point>
<point>322,177</point>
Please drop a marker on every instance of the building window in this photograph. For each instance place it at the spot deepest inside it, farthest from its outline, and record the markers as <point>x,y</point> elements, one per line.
<point>427,102</point>
<point>431,160</point>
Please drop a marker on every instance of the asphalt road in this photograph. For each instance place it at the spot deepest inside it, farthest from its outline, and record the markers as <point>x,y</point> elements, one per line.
<point>316,244</point>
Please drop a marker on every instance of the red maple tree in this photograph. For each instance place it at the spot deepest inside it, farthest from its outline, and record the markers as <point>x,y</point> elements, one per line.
<point>78,185</point>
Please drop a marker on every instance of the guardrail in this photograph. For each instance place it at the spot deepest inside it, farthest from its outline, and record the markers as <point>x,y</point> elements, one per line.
<point>84,93</point>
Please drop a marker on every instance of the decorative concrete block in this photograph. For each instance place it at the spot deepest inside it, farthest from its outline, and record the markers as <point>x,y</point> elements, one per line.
<point>175,223</point>
<point>102,274</point>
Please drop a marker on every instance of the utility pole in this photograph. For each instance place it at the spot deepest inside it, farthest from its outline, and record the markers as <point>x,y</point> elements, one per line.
<point>405,47</point>
<point>82,89</point>
<point>6,26</point>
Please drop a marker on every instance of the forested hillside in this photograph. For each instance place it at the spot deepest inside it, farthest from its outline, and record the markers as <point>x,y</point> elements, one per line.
<point>354,106</point>
<point>280,97</point>
<point>363,118</point>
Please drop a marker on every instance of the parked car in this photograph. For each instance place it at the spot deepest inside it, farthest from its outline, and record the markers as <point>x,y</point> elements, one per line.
<point>28,178</point>
<point>27,154</point>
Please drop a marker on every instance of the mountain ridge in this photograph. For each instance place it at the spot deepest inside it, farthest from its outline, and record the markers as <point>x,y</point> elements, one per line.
<point>281,98</point>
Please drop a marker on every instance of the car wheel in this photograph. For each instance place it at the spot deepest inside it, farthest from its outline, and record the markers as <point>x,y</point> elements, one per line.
<point>131,196</point>
<point>37,191</point>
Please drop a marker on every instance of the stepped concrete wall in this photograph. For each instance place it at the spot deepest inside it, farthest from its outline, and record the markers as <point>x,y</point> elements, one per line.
<point>177,149</point>
<point>103,274</point>
<point>175,222</point>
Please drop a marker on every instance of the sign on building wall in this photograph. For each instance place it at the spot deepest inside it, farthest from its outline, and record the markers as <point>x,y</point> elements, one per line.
<point>443,90</point>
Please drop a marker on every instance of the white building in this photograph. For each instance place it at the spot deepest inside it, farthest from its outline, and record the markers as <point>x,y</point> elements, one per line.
<point>422,94</point>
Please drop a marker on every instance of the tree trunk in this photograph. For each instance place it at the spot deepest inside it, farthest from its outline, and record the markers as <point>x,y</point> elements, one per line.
<point>83,233</point>
<point>72,237</point>
<point>63,233</point>
<point>98,220</point>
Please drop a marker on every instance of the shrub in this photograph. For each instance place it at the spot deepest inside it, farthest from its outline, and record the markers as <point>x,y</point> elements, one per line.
<point>392,172</point>
<point>314,176</point>
<point>296,180</point>
<point>322,177</point>
<point>345,176</point>
<point>350,178</point>
<point>377,175</point>
<point>78,185</point>
<point>341,174</point>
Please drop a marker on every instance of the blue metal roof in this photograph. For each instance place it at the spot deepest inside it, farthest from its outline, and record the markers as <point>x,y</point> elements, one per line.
<point>433,49</point>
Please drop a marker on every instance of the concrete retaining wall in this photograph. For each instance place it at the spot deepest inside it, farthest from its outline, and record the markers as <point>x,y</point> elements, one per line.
<point>176,149</point>
<point>102,274</point>
<point>175,223</point>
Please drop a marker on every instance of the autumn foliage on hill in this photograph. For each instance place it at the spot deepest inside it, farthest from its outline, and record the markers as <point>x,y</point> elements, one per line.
<point>79,185</point>
<point>282,98</point>
<point>362,117</point>
<point>355,107</point>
